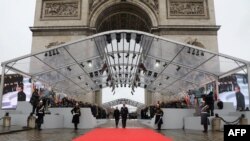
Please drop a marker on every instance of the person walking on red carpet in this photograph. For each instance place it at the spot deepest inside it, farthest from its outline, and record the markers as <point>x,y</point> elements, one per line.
<point>124,114</point>
<point>158,117</point>
<point>117,117</point>
<point>76,111</point>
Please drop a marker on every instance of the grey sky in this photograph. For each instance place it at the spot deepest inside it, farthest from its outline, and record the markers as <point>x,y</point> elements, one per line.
<point>18,15</point>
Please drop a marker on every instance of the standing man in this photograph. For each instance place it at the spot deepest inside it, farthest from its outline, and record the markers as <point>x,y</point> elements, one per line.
<point>240,99</point>
<point>40,114</point>
<point>21,96</point>
<point>76,111</point>
<point>158,117</point>
<point>116,116</point>
<point>34,100</point>
<point>124,113</point>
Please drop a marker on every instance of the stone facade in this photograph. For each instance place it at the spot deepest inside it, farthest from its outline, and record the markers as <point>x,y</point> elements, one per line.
<point>58,21</point>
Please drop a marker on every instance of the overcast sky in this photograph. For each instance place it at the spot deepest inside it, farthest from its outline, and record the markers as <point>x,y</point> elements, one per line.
<point>18,15</point>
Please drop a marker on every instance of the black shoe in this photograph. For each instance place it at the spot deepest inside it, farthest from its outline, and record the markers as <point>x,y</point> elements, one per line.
<point>205,131</point>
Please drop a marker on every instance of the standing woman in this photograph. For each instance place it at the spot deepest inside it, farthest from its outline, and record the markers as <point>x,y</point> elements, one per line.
<point>158,116</point>
<point>40,114</point>
<point>76,111</point>
<point>116,116</point>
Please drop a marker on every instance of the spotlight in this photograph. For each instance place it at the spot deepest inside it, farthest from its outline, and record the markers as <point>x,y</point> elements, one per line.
<point>138,38</point>
<point>127,55</point>
<point>50,53</point>
<point>197,53</point>
<point>119,56</point>
<point>189,50</point>
<point>134,56</point>
<point>46,54</point>
<point>57,52</point>
<point>128,37</point>
<point>54,52</point>
<point>96,73</point>
<point>165,64</point>
<point>118,37</point>
<point>91,74</point>
<point>167,78</point>
<point>108,38</point>
<point>79,77</point>
<point>113,57</point>
<point>157,63</point>
<point>90,63</point>
<point>193,53</point>
<point>155,74</point>
<point>69,69</point>
<point>82,65</point>
<point>202,53</point>
<point>149,73</point>
<point>178,68</point>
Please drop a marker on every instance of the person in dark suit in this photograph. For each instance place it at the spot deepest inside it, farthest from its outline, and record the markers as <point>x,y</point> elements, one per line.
<point>116,116</point>
<point>158,117</point>
<point>21,96</point>
<point>124,114</point>
<point>34,100</point>
<point>40,112</point>
<point>76,111</point>
<point>240,99</point>
<point>209,99</point>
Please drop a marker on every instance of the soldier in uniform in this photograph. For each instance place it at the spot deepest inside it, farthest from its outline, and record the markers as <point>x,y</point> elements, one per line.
<point>124,114</point>
<point>40,114</point>
<point>116,116</point>
<point>158,117</point>
<point>76,111</point>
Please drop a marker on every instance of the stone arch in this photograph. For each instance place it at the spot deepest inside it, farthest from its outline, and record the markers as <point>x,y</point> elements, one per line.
<point>138,8</point>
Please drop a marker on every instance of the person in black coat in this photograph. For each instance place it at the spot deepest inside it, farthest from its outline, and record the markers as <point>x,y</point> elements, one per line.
<point>209,99</point>
<point>116,116</point>
<point>76,111</point>
<point>158,117</point>
<point>124,114</point>
<point>40,114</point>
<point>21,96</point>
<point>34,100</point>
<point>240,99</point>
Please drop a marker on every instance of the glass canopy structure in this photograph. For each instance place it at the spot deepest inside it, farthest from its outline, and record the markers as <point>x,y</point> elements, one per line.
<point>125,58</point>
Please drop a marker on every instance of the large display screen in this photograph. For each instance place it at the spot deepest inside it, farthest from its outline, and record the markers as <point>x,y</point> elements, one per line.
<point>16,88</point>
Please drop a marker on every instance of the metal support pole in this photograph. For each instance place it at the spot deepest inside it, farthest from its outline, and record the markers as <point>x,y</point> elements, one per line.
<point>2,85</point>
<point>248,77</point>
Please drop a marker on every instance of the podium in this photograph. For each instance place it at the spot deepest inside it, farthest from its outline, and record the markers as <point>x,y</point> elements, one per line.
<point>6,121</point>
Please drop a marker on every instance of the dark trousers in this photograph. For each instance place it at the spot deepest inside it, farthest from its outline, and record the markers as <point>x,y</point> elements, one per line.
<point>159,126</point>
<point>124,121</point>
<point>75,124</point>
<point>205,127</point>
<point>33,109</point>
<point>116,122</point>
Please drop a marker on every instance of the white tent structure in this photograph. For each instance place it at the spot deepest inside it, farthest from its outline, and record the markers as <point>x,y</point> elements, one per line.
<point>125,58</point>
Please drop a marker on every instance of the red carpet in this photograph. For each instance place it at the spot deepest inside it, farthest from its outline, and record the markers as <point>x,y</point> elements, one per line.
<point>129,134</point>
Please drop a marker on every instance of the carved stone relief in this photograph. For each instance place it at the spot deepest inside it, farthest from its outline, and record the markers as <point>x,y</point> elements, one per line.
<point>187,9</point>
<point>52,44</point>
<point>94,3</point>
<point>61,9</point>
<point>152,3</point>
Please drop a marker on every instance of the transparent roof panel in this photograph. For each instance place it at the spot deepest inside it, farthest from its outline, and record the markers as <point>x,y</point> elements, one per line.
<point>125,58</point>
